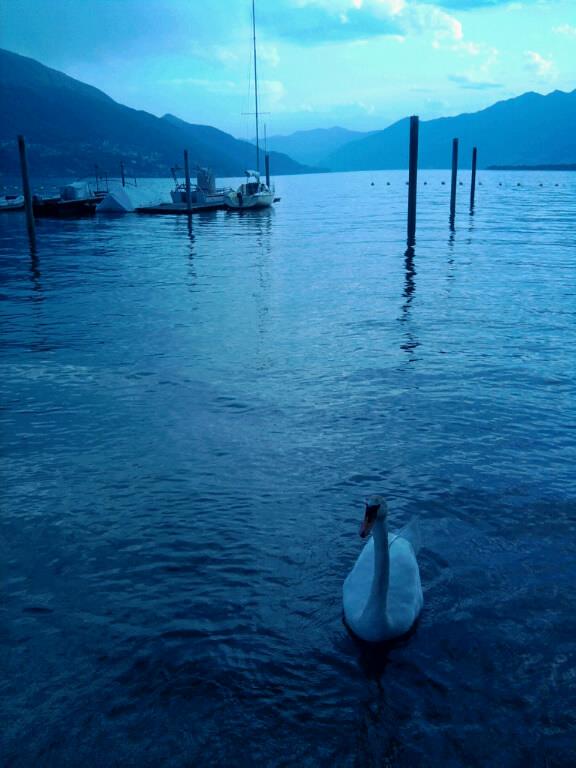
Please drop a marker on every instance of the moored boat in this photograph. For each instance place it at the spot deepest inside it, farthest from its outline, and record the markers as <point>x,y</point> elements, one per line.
<point>76,200</point>
<point>254,193</point>
<point>11,203</point>
<point>121,199</point>
<point>203,194</point>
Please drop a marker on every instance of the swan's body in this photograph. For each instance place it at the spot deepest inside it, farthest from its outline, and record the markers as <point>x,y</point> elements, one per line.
<point>382,594</point>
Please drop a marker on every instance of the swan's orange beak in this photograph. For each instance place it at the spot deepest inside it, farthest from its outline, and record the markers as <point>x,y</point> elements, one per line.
<point>368,522</point>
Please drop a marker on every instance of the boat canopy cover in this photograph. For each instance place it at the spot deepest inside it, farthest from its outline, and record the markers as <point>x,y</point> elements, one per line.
<point>205,180</point>
<point>253,173</point>
<point>77,190</point>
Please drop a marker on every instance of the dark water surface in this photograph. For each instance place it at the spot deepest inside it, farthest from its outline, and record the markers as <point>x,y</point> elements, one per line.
<point>191,420</point>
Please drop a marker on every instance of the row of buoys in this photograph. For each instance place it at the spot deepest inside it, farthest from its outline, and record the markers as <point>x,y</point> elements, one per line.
<point>461,183</point>
<point>518,184</point>
<point>16,188</point>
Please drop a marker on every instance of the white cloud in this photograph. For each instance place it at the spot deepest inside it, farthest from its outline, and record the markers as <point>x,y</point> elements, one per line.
<point>565,29</point>
<point>540,66</point>
<point>473,49</point>
<point>269,54</point>
<point>473,83</point>
<point>378,7</point>
<point>224,54</point>
<point>273,91</point>
<point>427,18</point>
<point>212,86</point>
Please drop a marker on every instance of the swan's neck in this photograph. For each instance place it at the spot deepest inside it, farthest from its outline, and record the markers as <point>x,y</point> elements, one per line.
<point>376,605</point>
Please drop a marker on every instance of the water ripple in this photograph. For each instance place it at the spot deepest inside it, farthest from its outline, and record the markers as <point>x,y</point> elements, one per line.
<point>191,418</point>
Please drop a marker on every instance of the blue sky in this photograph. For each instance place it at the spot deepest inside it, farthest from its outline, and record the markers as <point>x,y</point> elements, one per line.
<point>357,63</point>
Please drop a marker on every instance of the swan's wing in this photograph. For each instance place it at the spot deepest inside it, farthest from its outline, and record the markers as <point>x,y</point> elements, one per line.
<point>405,596</point>
<point>410,532</point>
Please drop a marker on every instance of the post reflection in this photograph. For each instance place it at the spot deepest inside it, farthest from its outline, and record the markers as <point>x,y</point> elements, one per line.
<point>470,228</point>
<point>35,274</point>
<point>191,246</point>
<point>410,343</point>
<point>451,242</point>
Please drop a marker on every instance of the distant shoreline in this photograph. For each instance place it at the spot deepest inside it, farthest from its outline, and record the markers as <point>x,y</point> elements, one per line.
<point>564,167</point>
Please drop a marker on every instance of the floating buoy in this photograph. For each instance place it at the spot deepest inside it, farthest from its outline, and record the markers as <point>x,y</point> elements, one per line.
<point>460,183</point>
<point>387,183</point>
<point>371,183</point>
<point>443,183</point>
<point>425,183</point>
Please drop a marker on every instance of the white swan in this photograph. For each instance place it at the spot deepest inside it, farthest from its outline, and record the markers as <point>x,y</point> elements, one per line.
<point>382,594</point>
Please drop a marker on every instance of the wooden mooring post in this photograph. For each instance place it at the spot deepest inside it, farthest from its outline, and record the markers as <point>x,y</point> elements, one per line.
<point>412,180</point>
<point>473,180</point>
<point>187,176</point>
<point>122,173</point>
<point>454,180</point>
<point>27,193</point>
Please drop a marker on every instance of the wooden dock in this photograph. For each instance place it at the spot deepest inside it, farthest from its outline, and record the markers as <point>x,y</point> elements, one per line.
<point>181,208</point>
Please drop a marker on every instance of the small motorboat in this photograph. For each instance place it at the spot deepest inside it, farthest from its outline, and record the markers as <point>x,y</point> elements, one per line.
<point>76,199</point>
<point>11,203</point>
<point>203,194</point>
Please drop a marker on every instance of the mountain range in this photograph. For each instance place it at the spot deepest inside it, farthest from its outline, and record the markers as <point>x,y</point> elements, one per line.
<point>70,127</point>
<point>527,130</point>
<point>313,147</point>
<point>524,131</point>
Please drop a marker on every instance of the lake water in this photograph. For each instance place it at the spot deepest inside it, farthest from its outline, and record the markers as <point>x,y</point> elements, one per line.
<point>192,417</point>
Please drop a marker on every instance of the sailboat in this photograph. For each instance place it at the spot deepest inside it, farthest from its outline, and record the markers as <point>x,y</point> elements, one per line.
<point>254,193</point>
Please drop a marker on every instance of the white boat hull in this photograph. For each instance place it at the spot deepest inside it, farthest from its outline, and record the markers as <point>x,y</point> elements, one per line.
<point>128,199</point>
<point>116,201</point>
<point>240,201</point>
<point>11,202</point>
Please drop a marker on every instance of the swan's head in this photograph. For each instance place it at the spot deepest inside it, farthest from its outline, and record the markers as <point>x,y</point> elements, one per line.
<point>375,509</point>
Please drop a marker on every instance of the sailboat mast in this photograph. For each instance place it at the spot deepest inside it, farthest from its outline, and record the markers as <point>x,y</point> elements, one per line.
<point>255,87</point>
